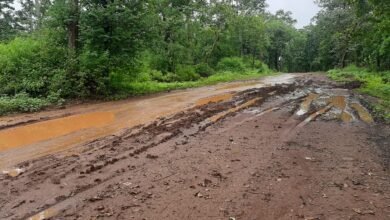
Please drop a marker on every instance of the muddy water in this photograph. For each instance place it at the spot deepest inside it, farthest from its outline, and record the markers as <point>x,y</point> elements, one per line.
<point>305,106</point>
<point>20,136</point>
<point>364,115</point>
<point>42,138</point>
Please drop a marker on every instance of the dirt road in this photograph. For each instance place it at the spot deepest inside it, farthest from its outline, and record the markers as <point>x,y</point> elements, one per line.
<point>306,149</point>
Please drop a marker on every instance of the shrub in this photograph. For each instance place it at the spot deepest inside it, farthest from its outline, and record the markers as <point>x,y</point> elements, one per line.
<point>233,64</point>
<point>21,103</point>
<point>204,70</point>
<point>264,69</point>
<point>186,73</point>
<point>161,77</point>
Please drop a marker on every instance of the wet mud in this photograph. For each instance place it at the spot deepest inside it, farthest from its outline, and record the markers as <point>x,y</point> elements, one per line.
<point>245,154</point>
<point>43,134</point>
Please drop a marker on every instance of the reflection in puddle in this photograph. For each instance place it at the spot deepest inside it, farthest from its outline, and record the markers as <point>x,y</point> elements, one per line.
<point>305,106</point>
<point>216,98</point>
<point>362,112</point>
<point>33,133</point>
<point>48,213</point>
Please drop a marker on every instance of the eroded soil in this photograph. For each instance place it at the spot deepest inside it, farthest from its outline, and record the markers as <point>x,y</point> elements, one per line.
<point>303,150</point>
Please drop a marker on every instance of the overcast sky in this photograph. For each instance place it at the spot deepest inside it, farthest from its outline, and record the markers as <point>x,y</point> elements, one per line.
<point>303,10</point>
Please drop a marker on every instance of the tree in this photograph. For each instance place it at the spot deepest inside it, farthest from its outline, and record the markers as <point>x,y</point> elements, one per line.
<point>8,26</point>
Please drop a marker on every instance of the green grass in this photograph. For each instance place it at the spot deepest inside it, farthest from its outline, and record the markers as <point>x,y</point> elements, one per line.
<point>149,87</point>
<point>375,84</point>
<point>24,103</point>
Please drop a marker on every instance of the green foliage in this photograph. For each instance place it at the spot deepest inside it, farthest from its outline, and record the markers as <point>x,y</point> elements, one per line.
<point>186,73</point>
<point>29,65</point>
<point>21,103</point>
<point>56,50</point>
<point>204,70</point>
<point>233,64</point>
<point>127,88</point>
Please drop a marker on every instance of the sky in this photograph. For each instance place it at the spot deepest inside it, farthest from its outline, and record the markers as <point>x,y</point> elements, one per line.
<point>303,10</point>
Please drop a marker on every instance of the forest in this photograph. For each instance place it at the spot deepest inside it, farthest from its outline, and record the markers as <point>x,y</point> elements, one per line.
<point>57,50</point>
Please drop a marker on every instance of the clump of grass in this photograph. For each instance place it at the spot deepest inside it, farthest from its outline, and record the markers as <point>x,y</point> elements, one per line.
<point>375,84</point>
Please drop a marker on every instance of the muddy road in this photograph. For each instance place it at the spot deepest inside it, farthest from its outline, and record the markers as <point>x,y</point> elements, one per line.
<point>29,136</point>
<point>285,147</point>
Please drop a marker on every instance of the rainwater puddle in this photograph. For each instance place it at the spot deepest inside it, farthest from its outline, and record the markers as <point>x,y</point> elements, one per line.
<point>19,136</point>
<point>305,106</point>
<point>364,115</point>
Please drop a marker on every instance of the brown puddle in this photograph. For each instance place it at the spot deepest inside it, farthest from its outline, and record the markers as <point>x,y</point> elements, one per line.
<point>216,98</point>
<point>305,106</point>
<point>346,117</point>
<point>20,136</point>
<point>315,115</point>
<point>340,103</point>
<point>364,115</point>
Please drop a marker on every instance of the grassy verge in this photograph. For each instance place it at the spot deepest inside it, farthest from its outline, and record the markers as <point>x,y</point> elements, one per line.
<point>375,84</point>
<point>149,87</point>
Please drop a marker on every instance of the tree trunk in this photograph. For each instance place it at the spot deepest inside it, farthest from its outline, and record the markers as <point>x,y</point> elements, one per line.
<point>73,26</point>
<point>276,61</point>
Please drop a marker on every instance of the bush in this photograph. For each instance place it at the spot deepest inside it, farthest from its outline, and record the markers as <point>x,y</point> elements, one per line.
<point>161,77</point>
<point>21,103</point>
<point>204,70</point>
<point>233,64</point>
<point>186,73</point>
<point>30,65</point>
<point>264,69</point>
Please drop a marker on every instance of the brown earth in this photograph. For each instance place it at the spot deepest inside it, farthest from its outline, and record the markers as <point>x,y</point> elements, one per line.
<point>306,150</point>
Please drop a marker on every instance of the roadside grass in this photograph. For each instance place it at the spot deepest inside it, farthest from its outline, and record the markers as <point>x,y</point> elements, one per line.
<point>124,88</point>
<point>127,88</point>
<point>376,84</point>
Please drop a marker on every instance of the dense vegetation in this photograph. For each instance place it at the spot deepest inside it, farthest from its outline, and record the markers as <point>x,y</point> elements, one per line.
<point>62,49</point>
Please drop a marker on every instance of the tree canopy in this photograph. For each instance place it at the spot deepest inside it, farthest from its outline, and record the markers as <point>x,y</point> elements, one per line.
<point>73,48</point>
